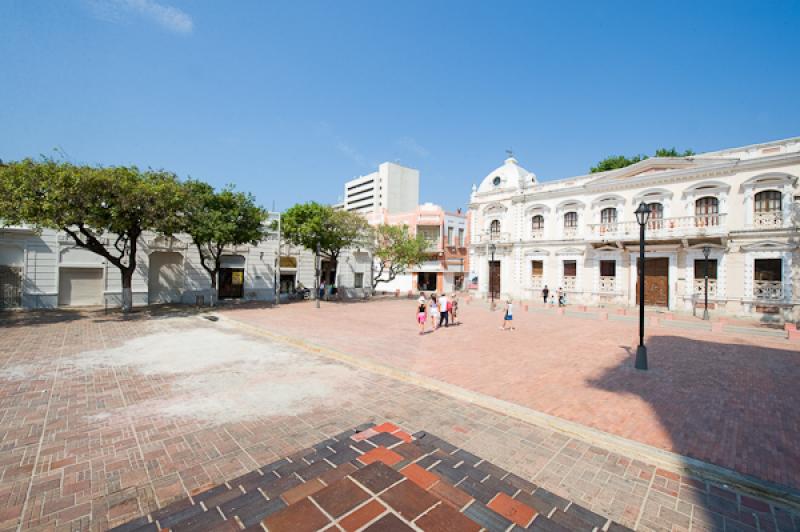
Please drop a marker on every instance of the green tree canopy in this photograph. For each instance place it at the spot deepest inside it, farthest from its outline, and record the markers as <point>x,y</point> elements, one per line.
<point>614,162</point>
<point>103,209</point>
<point>217,220</point>
<point>394,250</point>
<point>311,223</point>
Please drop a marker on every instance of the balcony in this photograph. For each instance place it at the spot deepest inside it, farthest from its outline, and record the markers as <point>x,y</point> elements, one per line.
<point>537,234</point>
<point>608,283</point>
<point>700,286</point>
<point>485,238</point>
<point>570,283</point>
<point>570,232</point>
<point>767,290</point>
<point>663,229</point>
<point>768,220</point>
<point>433,244</point>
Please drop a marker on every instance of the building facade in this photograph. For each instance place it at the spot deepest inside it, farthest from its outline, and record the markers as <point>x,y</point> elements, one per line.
<point>392,189</point>
<point>580,233</point>
<point>46,270</point>
<point>447,237</point>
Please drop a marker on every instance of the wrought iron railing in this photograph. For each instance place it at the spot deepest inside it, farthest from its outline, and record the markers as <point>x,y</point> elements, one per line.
<point>768,290</point>
<point>608,283</point>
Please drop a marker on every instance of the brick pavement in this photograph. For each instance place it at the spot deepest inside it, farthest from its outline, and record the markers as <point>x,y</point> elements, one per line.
<point>91,445</point>
<point>721,398</point>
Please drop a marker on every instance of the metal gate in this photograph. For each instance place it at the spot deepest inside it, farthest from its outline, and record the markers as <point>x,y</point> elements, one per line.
<point>10,287</point>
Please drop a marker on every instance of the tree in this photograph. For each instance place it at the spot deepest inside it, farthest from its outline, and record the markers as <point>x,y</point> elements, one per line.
<point>395,250</point>
<point>219,220</point>
<point>95,206</point>
<point>311,224</point>
<point>614,162</point>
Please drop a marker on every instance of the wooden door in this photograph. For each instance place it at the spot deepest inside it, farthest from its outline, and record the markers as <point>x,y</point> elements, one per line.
<point>494,279</point>
<point>656,282</point>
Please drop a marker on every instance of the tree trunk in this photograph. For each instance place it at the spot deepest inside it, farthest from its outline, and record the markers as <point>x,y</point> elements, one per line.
<point>127,291</point>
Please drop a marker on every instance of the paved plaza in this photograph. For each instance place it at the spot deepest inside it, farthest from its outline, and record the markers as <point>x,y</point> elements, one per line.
<point>105,420</point>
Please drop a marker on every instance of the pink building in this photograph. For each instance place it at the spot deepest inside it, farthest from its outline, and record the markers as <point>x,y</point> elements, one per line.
<point>447,235</point>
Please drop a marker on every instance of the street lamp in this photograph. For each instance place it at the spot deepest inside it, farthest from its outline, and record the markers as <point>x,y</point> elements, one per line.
<point>319,272</point>
<point>706,253</point>
<point>492,249</point>
<point>642,216</point>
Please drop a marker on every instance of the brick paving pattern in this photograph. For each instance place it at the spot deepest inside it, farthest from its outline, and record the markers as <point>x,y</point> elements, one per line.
<point>374,490</point>
<point>722,398</point>
<point>91,446</point>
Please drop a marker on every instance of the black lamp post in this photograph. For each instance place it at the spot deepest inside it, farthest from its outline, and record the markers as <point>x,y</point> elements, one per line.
<point>642,216</point>
<point>492,249</point>
<point>706,253</point>
<point>319,273</point>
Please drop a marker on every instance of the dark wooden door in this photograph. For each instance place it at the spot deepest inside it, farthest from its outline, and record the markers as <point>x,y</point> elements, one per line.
<point>656,282</point>
<point>494,279</point>
<point>231,283</point>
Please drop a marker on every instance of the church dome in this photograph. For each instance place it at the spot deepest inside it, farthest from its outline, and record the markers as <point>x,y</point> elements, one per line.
<point>509,176</point>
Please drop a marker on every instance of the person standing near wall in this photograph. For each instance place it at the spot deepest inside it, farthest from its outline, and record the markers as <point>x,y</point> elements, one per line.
<point>545,293</point>
<point>443,311</point>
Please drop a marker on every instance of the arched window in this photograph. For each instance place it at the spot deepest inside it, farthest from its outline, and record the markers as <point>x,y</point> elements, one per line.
<point>768,201</point>
<point>570,220</point>
<point>768,209</point>
<point>537,223</point>
<point>656,216</point>
<point>706,210</point>
<point>494,229</point>
<point>608,215</point>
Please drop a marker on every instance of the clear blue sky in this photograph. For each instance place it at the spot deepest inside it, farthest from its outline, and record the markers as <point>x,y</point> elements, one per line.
<point>290,99</point>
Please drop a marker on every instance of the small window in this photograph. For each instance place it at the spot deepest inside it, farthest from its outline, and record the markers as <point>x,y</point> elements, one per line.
<point>494,229</point>
<point>537,222</point>
<point>608,268</point>
<point>359,280</point>
<point>449,236</point>
<point>768,269</point>
<point>496,181</point>
<point>570,268</point>
<point>461,237</point>
<point>700,268</point>
<point>537,268</point>
<point>571,219</point>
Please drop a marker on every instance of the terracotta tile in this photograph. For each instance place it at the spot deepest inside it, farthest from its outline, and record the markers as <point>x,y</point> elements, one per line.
<point>444,518</point>
<point>403,435</point>
<point>380,454</point>
<point>302,491</point>
<point>377,476</point>
<point>299,517</point>
<point>408,499</point>
<point>362,516</point>
<point>421,477</point>
<point>388,523</point>
<point>451,495</point>
<point>386,427</point>
<point>512,510</point>
<point>340,497</point>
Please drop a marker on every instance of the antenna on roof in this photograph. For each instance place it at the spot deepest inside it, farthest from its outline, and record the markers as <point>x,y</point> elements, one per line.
<point>509,152</point>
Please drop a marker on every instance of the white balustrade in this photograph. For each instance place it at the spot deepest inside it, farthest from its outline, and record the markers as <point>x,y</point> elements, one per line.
<point>768,219</point>
<point>706,224</point>
<point>570,283</point>
<point>608,283</point>
<point>768,290</point>
<point>700,286</point>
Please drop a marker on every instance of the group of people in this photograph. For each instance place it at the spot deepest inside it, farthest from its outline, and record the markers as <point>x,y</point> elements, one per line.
<point>441,310</point>
<point>560,294</point>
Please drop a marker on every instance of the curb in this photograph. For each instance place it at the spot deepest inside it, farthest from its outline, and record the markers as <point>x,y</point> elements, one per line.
<point>686,465</point>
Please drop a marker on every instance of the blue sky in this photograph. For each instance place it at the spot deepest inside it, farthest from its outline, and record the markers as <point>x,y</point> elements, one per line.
<point>289,99</point>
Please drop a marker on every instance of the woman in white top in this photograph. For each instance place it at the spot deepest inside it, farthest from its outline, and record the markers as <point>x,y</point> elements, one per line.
<point>433,312</point>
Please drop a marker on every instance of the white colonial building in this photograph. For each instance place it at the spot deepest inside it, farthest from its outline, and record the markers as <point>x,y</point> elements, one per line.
<point>581,234</point>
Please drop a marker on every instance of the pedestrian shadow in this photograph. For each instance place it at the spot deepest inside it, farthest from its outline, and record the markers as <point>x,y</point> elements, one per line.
<point>728,404</point>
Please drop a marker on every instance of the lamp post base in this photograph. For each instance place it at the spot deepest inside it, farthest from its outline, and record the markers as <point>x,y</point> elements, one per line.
<point>705,314</point>
<point>641,358</point>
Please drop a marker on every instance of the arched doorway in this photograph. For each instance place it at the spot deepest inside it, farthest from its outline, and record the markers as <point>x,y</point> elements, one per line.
<point>165,277</point>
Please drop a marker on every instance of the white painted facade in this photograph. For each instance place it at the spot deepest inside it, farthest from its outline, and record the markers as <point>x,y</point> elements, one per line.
<point>393,189</point>
<point>581,233</point>
<point>42,268</point>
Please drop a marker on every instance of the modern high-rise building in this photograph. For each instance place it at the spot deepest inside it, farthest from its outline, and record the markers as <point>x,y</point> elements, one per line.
<point>393,189</point>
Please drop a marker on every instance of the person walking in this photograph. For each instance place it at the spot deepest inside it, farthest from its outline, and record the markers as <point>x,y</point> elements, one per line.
<point>454,308</point>
<point>443,311</point>
<point>560,297</point>
<point>433,311</point>
<point>545,293</point>
<point>422,314</point>
<point>508,316</point>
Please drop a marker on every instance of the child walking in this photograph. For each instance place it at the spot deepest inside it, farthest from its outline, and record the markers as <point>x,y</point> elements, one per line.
<point>421,312</point>
<point>508,316</point>
<point>433,312</point>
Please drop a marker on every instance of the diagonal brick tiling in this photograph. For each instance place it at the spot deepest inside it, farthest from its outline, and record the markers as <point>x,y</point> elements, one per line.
<point>395,482</point>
